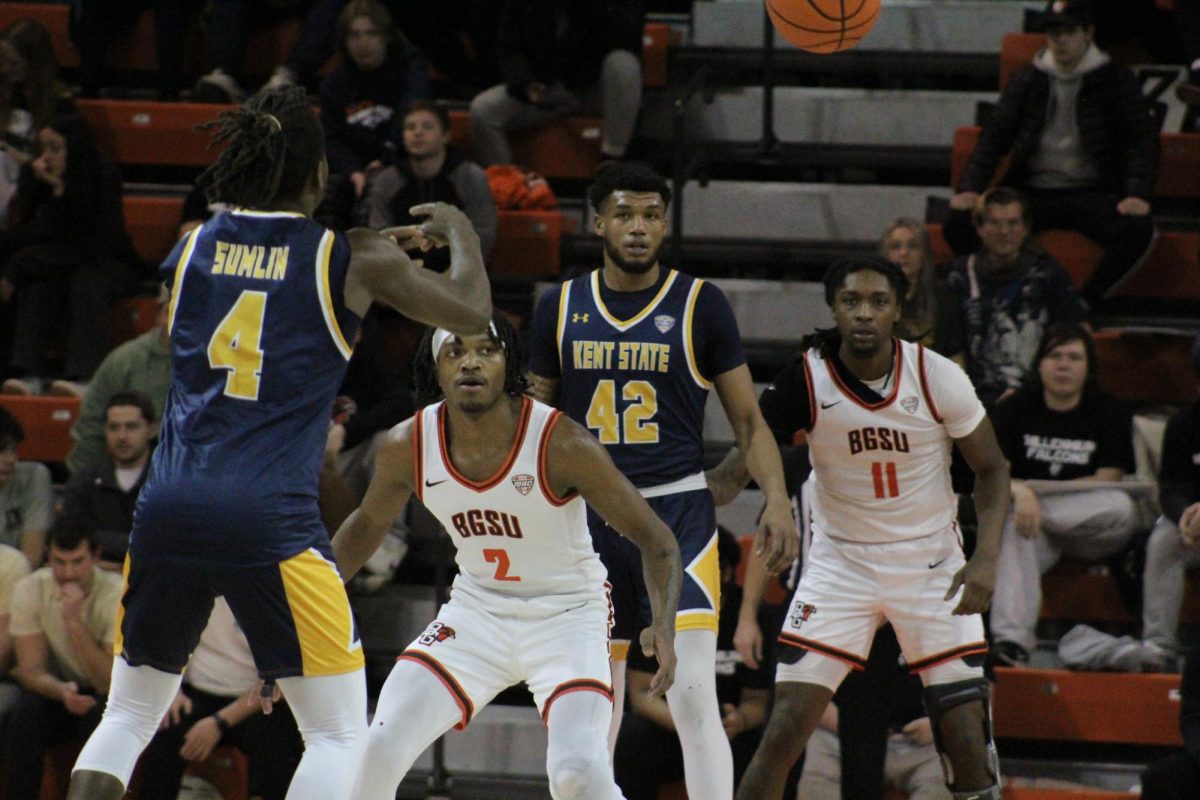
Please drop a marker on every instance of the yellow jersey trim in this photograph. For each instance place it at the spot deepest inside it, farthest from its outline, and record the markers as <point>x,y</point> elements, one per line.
<point>324,252</point>
<point>696,621</point>
<point>563,302</point>
<point>624,325</point>
<point>689,348</point>
<point>177,282</point>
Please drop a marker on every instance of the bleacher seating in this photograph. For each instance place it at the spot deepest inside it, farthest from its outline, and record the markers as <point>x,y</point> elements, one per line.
<point>47,423</point>
<point>1017,50</point>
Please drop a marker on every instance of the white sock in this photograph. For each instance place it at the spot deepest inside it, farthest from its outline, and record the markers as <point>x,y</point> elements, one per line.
<point>707,760</point>
<point>576,761</point>
<point>331,712</point>
<point>618,705</point>
<point>138,698</point>
<point>413,710</point>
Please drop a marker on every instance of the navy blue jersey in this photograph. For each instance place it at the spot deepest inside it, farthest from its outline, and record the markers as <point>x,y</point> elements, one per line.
<point>635,367</point>
<point>260,337</point>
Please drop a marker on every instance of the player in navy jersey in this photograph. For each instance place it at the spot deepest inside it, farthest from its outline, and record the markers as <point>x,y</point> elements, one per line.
<point>631,350</point>
<point>265,305</point>
<point>507,476</point>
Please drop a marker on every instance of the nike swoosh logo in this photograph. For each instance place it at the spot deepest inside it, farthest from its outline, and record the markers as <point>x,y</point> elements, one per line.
<point>435,483</point>
<point>830,405</point>
<point>937,564</point>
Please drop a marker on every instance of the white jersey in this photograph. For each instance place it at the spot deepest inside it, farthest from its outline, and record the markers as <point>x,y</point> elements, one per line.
<point>514,537</point>
<point>883,470</point>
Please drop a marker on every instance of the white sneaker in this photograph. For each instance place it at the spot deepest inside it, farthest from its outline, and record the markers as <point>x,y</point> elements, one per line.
<point>219,86</point>
<point>281,78</point>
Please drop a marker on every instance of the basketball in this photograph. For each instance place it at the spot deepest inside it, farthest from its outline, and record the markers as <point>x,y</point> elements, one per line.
<point>823,26</point>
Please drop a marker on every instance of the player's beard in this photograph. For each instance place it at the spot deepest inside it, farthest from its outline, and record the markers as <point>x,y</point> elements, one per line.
<point>632,268</point>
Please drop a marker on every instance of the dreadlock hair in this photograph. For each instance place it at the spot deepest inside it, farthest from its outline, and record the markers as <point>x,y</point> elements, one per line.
<point>275,143</point>
<point>828,340</point>
<point>626,176</point>
<point>425,362</point>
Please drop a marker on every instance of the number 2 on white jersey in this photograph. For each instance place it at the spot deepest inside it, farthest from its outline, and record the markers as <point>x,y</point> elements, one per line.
<point>236,345</point>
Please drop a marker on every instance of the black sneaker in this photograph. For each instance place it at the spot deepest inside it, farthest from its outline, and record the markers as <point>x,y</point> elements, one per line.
<point>1009,654</point>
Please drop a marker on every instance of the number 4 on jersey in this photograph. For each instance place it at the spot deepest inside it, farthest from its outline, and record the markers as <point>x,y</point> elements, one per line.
<point>236,345</point>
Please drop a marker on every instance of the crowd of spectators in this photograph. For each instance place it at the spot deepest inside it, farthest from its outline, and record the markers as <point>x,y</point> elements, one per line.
<point>1081,151</point>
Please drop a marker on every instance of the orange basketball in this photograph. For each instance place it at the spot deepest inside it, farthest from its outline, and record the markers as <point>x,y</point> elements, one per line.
<point>823,26</point>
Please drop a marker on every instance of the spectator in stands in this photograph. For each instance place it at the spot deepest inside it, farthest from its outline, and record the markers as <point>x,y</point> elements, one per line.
<point>13,567</point>
<point>648,753</point>
<point>68,243</point>
<point>1002,298</point>
<point>101,498</point>
<point>557,58</point>
<point>428,170</point>
<point>16,143</point>
<point>1187,18</point>
<point>905,242</point>
<point>211,710</point>
<point>911,765</point>
<point>362,102</point>
<point>1176,776</point>
<point>63,624</point>
<point>95,22</point>
<point>229,24</point>
<point>27,60</point>
<point>26,500</point>
<point>1060,427</point>
<point>141,365</point>
<point>1081,144</point>
<point>1174,544</point>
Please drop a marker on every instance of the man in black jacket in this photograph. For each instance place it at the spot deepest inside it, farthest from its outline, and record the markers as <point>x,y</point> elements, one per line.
<point>101,498</point>
<point>559,58</point>
<point>1082,146</point>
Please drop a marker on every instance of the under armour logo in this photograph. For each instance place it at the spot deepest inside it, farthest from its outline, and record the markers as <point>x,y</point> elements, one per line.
<point>577,317</point>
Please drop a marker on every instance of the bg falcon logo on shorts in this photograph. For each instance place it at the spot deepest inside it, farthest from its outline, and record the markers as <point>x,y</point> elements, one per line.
<point>802,612</point>
<point>436,632</point>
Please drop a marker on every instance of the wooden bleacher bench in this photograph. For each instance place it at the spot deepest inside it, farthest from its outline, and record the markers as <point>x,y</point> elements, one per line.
<point>1097,707</point>
<point>47,423</point>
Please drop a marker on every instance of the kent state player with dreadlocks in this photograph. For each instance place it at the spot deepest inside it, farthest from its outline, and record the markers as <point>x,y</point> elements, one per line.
<point>882,415</point>
<point>264,306</point>
<point>631,350</point>
<point>508,477</point>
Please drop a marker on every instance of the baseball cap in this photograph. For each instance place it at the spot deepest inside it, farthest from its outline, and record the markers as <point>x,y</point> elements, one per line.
<point>1076,13</point>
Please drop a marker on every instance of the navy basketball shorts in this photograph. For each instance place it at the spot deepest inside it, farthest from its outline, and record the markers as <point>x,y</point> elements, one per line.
<point>295,613</point>
<point>692,517</point>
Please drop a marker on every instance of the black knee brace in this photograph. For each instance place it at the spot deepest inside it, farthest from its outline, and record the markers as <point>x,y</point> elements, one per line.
<point>940,698</point>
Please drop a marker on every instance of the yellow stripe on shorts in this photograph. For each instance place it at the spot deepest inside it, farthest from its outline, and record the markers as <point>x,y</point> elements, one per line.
<point>118,639</point>
<point>321,612</point>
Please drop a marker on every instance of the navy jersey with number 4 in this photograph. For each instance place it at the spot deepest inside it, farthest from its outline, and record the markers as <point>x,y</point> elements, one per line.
<point>635,367</point>
<point>260,338</point>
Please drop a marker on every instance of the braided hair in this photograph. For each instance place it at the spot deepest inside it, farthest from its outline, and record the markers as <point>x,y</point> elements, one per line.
<point>827,340</point>
<point>501,332</point>
<point>275,144</point>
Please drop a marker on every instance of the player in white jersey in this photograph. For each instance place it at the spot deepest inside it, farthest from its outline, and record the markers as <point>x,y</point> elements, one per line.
<point>507,476</point>
<point>881,417</point>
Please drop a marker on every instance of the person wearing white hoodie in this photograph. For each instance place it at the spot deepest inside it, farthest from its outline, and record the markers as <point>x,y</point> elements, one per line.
<point>1082,145</point>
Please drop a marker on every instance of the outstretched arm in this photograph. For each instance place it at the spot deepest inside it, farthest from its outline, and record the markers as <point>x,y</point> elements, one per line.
<point>459,300</point>
<point>576,461</point>
<point>363,531</point>
<point>776,531</point>
<point>986,459</point>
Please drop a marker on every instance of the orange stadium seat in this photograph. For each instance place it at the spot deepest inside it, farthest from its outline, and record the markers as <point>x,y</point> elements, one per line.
<point>1017,50</point>
<point>137,132</point>
<point>1010,792</point>
<point>527,244</point>
<point>1119,708</point>
<point>1138,367</point>
<point>47,422</point>
<point>1171,269</point>
<point>57,19</point>
<point>1178,165</point>
<point>153,224</point>
<point>656,41</point>
<point>1078,254</point>
<point>941,252</point>
<point>564,148</point>
<point>1082,591</point>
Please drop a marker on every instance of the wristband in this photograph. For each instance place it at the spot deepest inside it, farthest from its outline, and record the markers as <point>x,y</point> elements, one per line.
<point>222,723</point>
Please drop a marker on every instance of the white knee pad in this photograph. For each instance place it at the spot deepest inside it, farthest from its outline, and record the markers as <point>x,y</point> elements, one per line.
<point>578,777</point>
